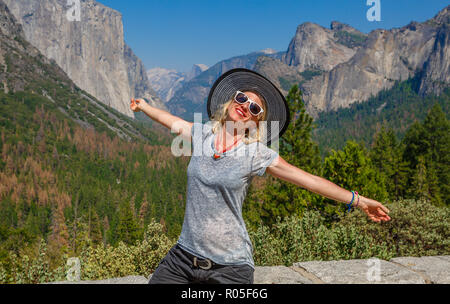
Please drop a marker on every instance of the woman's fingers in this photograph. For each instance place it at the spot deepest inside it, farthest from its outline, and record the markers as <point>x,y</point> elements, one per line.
<point>377,213</point>
<point>374,218</point>
<point>384,208</point>
<point>381,215</point>
<point>383,211</point>
<point>134,106</point>
<point>380,211</point>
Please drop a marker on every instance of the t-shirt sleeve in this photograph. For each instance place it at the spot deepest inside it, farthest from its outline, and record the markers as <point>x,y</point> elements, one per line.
<point>263,158</point>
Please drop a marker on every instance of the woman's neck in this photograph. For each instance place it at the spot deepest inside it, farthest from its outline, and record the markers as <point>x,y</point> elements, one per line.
<point>228,135</point>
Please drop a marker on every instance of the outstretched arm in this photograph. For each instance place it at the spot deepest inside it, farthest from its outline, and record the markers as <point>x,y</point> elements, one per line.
<point>287,172</point>
<point>172,122</point>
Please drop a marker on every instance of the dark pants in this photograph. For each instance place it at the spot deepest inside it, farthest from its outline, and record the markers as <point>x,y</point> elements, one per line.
<point>177,267</point>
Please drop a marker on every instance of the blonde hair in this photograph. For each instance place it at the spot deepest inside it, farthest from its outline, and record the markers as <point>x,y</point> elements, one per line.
<point>221,114</point>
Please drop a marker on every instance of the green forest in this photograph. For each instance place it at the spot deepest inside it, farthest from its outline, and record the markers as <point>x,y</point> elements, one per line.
<point>68,185</point>
<point>118,204</point>
<point>397,108</point>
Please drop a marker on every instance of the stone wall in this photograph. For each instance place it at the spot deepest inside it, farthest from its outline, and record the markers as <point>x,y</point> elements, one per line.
<point>405,270</point>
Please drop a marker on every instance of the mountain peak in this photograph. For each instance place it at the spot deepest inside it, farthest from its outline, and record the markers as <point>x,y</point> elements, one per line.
<point>201,66</point>
<point>268,51</point>
<point>196,70</point>
<point>165,81</point>
<point>337,26</point>
<point>443,17</point>
<point>309,26</point>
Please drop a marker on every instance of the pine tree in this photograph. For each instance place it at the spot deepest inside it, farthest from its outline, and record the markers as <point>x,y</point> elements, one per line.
<point>105,230</point>
<point>95,231</point>
<point>352,169</point>
<point>419,187</point>
<point>437,130</point>
<point>431,141</point>
<point>386,155</point>
<point>128,229</point>
<point>143,211</point>
<point>58,241</point>
<point>296,145</point>
<point>399,178</point>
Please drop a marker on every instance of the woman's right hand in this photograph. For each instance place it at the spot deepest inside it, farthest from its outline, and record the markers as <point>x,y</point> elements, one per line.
<point>135,105</point>
<point>374,210</point>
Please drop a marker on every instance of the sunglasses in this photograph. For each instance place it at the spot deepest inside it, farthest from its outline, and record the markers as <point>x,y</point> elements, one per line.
<point>254,108</point>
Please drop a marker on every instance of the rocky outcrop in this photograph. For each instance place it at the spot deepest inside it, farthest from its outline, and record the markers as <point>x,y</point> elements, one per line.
<point>337,26</point>
<point>355,66</point>
<point>166,82</point>
<point>347,35</point>
<point>436,75</point>
<point>387,56</point>
<point>16,54</point>
<point>283,76</point>
<point>91,51</point>
<point>315,47</point>
<point>24,68</point>
<point>196,70</point>
<point>8,25</point>
<point>404,270</point>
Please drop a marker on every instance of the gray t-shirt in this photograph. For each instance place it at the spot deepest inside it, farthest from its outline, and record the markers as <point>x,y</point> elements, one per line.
<point>213,226</point>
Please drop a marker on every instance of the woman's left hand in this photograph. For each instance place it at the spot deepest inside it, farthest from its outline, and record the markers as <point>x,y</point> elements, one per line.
<point>374,210</point>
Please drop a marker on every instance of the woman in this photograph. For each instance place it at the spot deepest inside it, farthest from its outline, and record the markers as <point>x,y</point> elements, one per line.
<point>214,246</point>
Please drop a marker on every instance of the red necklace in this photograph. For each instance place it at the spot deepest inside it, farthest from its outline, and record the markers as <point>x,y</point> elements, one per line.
<point>217,156</point>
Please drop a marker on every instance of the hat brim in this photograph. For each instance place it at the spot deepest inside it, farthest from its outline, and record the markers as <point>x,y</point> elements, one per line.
<point>247,80</point>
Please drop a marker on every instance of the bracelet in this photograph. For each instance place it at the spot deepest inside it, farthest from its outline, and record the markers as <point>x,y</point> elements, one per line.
<point>349,206</point>
<point>357,203</point>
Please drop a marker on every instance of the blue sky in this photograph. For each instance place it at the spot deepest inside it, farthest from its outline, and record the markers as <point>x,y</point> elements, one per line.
<point>176,34</point>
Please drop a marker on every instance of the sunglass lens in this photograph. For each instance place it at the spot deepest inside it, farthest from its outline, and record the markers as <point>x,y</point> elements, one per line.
<point>241,98</point>
<point>254,108</point>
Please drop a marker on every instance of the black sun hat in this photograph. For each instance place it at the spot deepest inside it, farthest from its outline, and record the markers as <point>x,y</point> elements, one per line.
<point>247,80</point>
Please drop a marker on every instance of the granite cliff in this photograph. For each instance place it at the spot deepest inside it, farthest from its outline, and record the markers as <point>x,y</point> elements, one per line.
<point>315,47</point>
<point>91,51</point>
<point>345,66</point>
<point>24,70</point>
<point>387,56</point>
